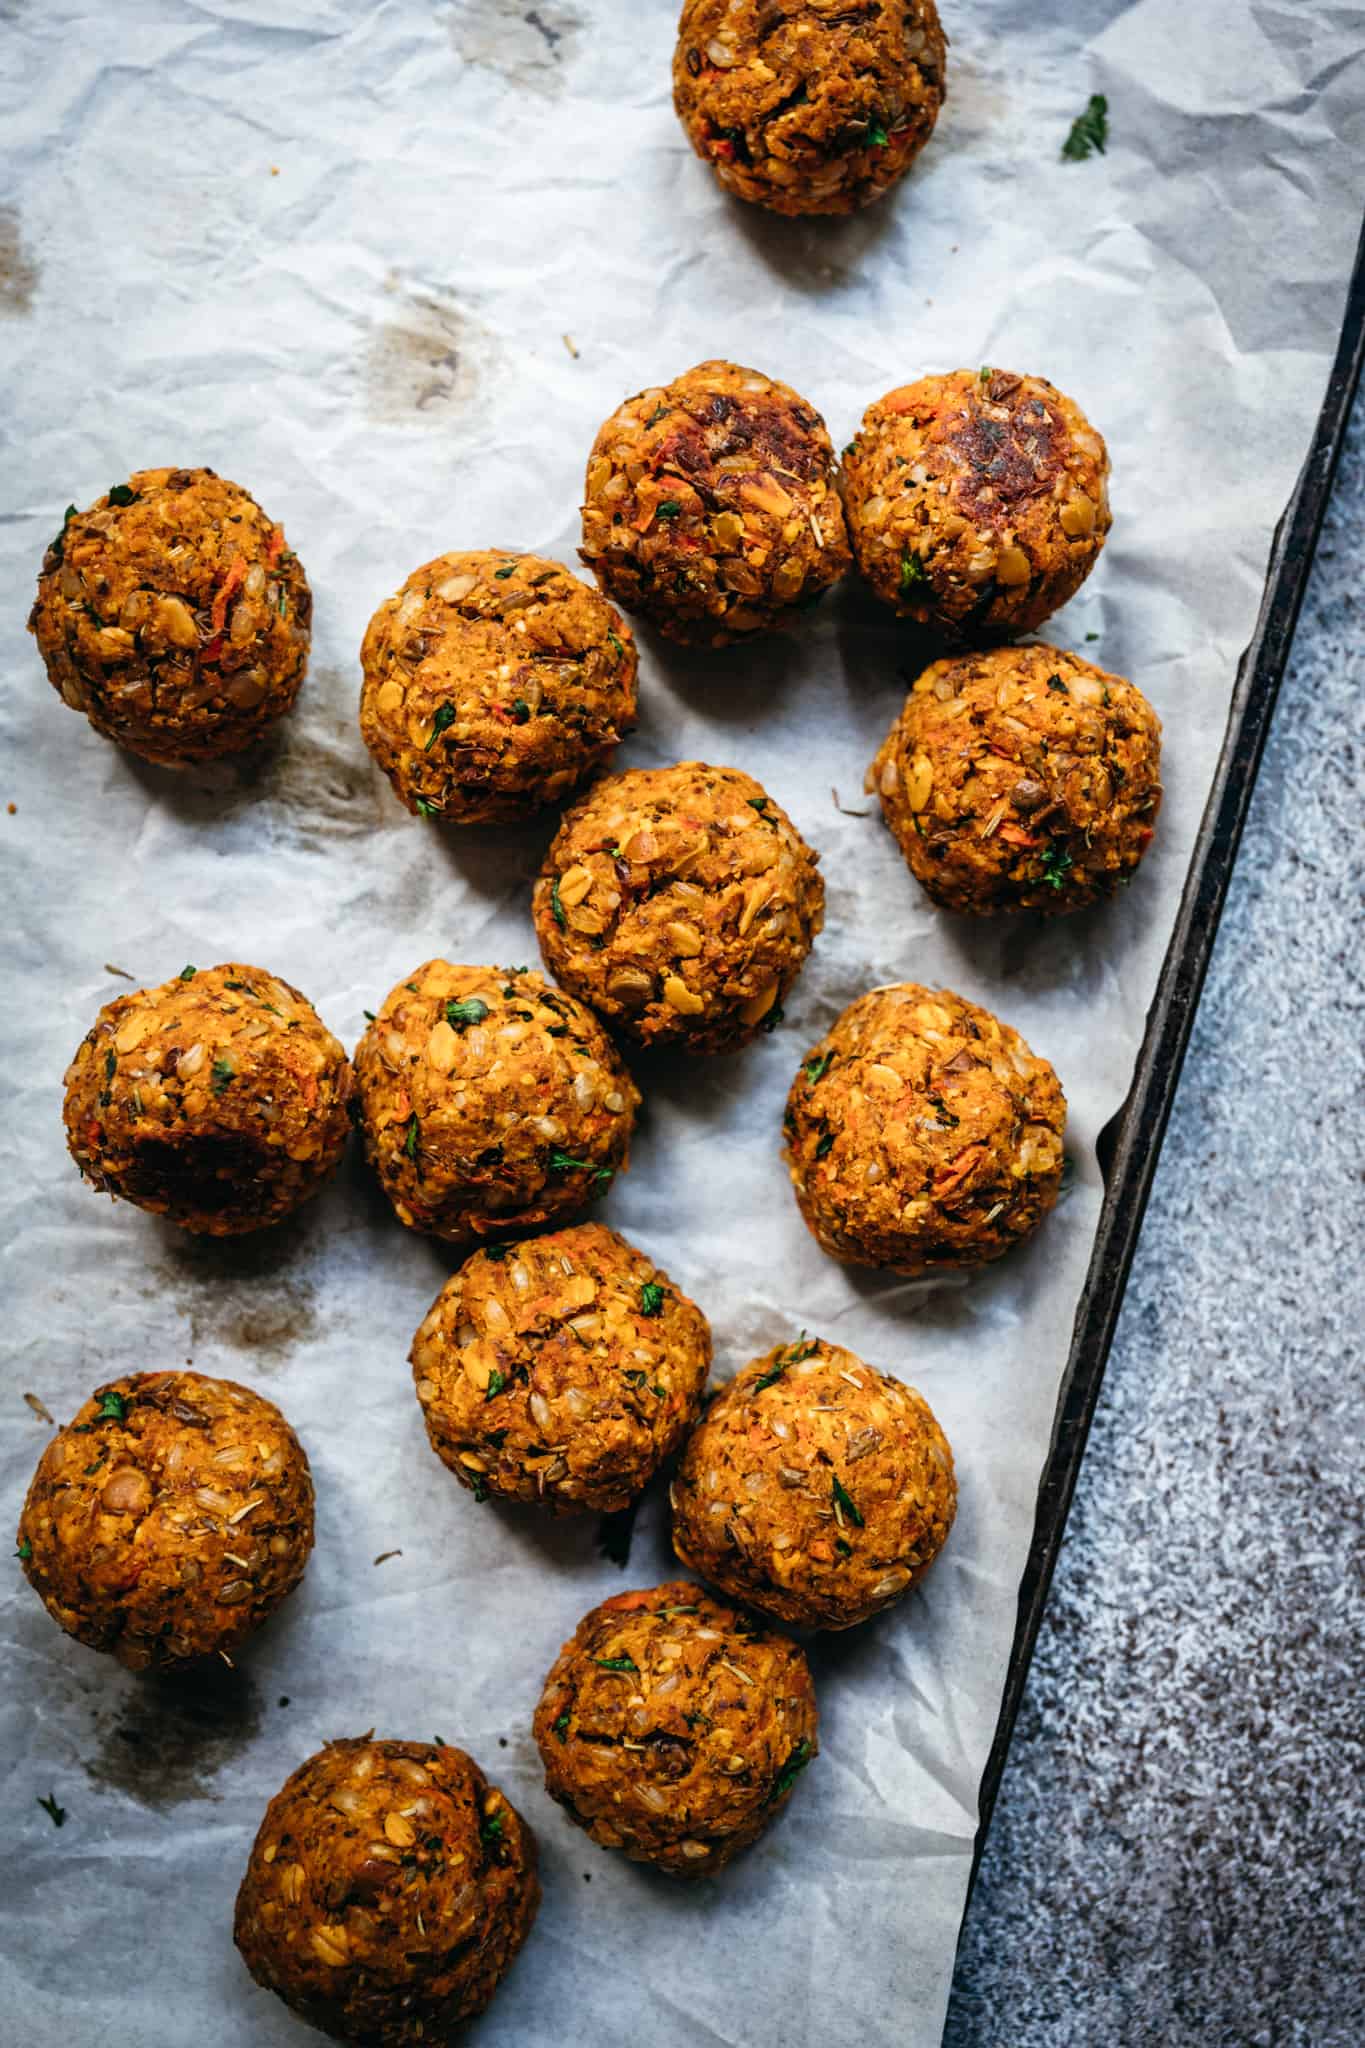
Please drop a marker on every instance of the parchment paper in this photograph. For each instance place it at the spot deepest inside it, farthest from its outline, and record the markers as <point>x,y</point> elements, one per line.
<point>332,250</point>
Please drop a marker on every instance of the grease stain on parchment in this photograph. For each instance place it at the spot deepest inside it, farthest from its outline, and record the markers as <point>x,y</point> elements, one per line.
<point>19,273</point>
<point>317,781</point>
<point>423,364</point>
<point>234,1301</point>
<point>164,1740</point>
<point>528,45</point>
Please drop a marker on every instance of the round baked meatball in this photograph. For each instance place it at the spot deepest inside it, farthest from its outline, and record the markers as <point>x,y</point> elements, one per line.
<point>977,502</point>
<point>922,1133</point>
<point>173,615</point>
<point>169,1519</point>
<point>711,506</point>
<point>816,1489</point>
<point>389,1890</point>
<point>490,1103</point>
<point>494,683</point>
<point>674,1728</point>
<point>1021,779</point>
<point>563,1370</point>
<point>218,1100</point>
<point>681,904</point>
<point>809,111</point>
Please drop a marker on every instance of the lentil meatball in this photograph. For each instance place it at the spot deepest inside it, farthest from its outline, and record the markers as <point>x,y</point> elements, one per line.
<point>1021,779</point>
<point>923,1134</point>
<point>681,904</point>
<point>806,110</point>
<point>977,502</point>
<point>173,615</point>
<point>493,684</point>
<point>490,1103</point>
<point>169,1519</point>
<point>564,1370</point>
<point>674,1728</point>
<point>817,1489</point>
<point>388,1892</point>
<point>711,507</point>
<point>218,1100</point>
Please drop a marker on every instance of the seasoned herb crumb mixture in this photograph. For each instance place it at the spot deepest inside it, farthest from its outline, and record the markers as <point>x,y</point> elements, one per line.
<point>681,904</point>
<point>218,1100</point>
<point>809,106</point>
<point>494,683</point>
<point>977,502</point>
<point>816,1489</point>
<point>922,1133</point>
<point>174,616</point>
<point>168,1519</point>
<point>1021,779</point>
<point>563,1370</point>
<point>711,506</point>
<point>674,1728</point>
<point>388,1892</point>
<point>490,1103</point>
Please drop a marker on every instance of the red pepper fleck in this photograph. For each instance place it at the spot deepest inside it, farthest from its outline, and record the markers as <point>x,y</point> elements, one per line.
<point>233,581</point>
<point>275,545</point>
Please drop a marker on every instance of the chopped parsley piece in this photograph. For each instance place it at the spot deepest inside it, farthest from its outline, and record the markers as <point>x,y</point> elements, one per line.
<point>792,1355</point>
<point>56,1814</point>
<point>491,1831</point>
<point>564,1162</point>
<point>369,1014</point>
<point>24,1551</point>
<point>557,907</point>
<point>561,1727</point>
<point>521,710</point>
<point>1092,636</point>
<point>507,569</point>
<point>658,413</point>
<point>913,571</point>
<point>774,1017</point>
<point>427,810</point>
<point>844,1549</point>
<point>110,1065</point>
<point>59,544</point>
<point>824,1143</point>
<point>472,1010</point>
<point>667,508</point>
<point>411,1136</point>
<point>113,1407</point>
<point>123,494</point>
<point>1089,131</point>
<point>850,449</point>
<point>496,1383</point>
<point>651,1298</point>
<point>844,1499</point>
<point>1056,683</point>
<point>445,715</point>
<point>817,1068</point>
<point>791,1770</point>
<point>985,373</point>
<point>616,1663</point>
<point>757,803</point>
<point>224,1074</point>
<point>188,973</point>
<point>1057,865</point>
<point>480,1490</point>
<point>877,136</point>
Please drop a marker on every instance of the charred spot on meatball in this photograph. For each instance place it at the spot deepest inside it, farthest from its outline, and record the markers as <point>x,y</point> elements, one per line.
<point>681,904</point>
<point>174,616</point>
<point>218,1100</point>
<point>494,684</point>
<point>922,1134</point>
<point>565,1370</point>
<point>977,502</point>
<point>806,112</point>
<point>168,1519</point>
<point>389,1890</point>
<point>711,507</point>
<point>674,1728</point>
<point>1021,779</point>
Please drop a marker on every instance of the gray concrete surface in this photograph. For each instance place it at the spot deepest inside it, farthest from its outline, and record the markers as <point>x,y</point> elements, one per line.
<point>1176,1855</point>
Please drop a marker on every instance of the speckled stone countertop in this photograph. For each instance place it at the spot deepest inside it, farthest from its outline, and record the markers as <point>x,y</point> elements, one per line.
<point>1178,1837</point>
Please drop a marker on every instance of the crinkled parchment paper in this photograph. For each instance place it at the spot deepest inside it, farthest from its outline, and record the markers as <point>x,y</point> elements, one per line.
<point>333,250</point>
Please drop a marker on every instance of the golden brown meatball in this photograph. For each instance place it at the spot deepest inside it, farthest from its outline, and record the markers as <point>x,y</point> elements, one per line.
<point>922,1133</point>
<point>674,1728</point>
<point>490,1103</point>
<point>1021,779</point>
<point>493,684</point>
<point>173,615</point>
<point>977,502</point>
<point>388,1892</point>
<point>681,904</point>
<point>711,507</point>
<point>809,108</point>
<point>169,1519</point>
<point>816,1489</point>
<point>563,1370</point>
<point>218,1100</point>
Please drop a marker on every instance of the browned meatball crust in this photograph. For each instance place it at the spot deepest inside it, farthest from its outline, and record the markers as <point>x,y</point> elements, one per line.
<point>494,683</point>
<point>1021,779</point>
<point>218,1100</point>
<point>564,1370</point>
<point>809,106</point>
<point>674,1728</point>
<point>168,1519</point>
<point>490,1102</point>
<point>923,1134</point>
<point>681,904</point>
<point>977,502</point>
<point>173,615</point>
<point>817,1489</point>
<point>711,507</point>
<point>388,1892</point>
